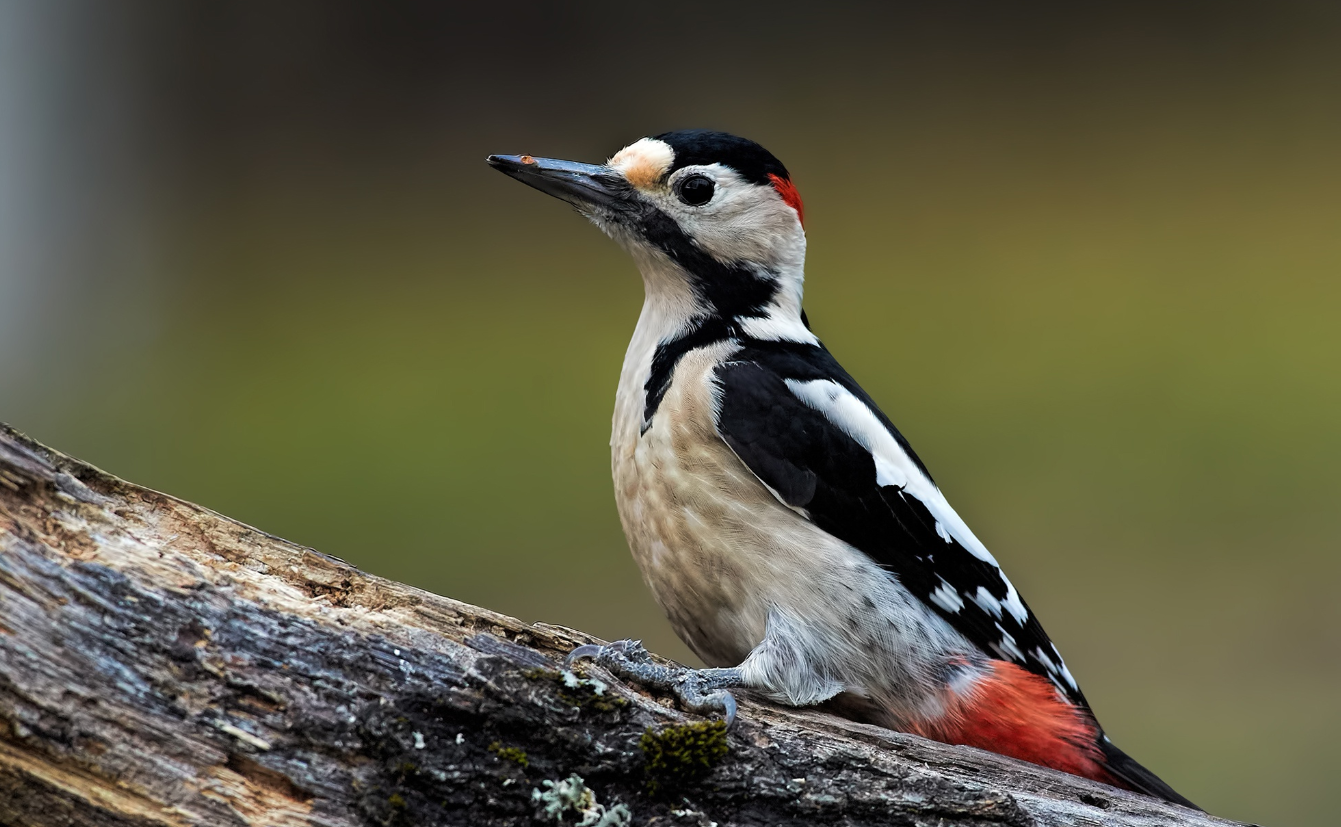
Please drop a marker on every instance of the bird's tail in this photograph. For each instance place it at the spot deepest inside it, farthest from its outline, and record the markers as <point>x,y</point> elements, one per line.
<point>1127,773</point>
<point>1015,712</point>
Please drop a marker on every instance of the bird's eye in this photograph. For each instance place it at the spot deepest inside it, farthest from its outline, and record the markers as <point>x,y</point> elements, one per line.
<point>696,190</point>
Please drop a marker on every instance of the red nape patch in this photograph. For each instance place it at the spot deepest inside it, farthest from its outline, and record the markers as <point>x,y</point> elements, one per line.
<point>1017,713</point>
<point>789,195</point>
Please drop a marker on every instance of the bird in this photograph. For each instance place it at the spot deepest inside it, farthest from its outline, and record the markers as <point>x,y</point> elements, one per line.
<point>793,538</point>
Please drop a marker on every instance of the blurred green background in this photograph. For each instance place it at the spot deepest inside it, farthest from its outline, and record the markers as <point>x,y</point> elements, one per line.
<point>1087,258</point>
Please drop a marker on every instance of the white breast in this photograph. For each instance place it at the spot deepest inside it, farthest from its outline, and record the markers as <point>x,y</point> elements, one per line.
<point>670,487</point>
<point>731,566</point>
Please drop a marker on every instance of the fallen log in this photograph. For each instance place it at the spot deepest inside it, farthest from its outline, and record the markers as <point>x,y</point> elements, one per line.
<point>161,664</point>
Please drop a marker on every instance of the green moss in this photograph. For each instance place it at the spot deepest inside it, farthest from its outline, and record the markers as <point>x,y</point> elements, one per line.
<point>682,753</point>
<point>396,801</point>
<point>513,754</point>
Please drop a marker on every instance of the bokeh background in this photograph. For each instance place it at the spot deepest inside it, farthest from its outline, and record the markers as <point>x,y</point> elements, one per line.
<point>1086,257</point>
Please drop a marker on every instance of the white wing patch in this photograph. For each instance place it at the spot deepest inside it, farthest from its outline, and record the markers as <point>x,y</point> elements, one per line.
<point>894,467</point>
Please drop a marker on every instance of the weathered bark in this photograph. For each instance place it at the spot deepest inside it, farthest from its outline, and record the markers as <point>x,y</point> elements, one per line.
<point>161,664</point>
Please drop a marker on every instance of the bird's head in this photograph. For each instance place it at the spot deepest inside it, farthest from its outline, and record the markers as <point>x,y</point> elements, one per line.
<point>713,220</point>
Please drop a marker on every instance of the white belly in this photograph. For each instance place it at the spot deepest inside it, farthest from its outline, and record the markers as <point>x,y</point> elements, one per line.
<point>732,566</point>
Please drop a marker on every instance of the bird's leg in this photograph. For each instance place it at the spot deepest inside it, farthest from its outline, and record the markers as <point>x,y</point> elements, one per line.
<point>699,690</point>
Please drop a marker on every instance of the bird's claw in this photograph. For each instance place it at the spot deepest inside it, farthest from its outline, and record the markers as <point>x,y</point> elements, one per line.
<point>586,650</point>
<point>700,690</point>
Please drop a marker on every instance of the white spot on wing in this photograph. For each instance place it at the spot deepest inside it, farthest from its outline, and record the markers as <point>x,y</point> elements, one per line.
<point>1066,676</point>
<point>1007,648</point>
<point>1013,603</point>
<point>947,598</point>
<point>987,602</point>
<point>1057,668</point>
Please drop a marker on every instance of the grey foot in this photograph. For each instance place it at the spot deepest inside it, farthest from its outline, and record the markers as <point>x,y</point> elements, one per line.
<point>699,690</point>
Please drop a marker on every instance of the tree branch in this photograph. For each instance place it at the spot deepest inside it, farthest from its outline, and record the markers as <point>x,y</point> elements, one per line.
<point>161,664</point>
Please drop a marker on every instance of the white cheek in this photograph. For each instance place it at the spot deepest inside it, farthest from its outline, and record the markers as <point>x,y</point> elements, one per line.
<point>744,222</point>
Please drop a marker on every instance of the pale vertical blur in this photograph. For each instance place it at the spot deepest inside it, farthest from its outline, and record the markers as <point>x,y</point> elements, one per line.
<point>1087,259</point>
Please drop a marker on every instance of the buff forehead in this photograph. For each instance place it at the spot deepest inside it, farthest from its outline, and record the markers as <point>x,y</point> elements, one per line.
<point>644,162</point>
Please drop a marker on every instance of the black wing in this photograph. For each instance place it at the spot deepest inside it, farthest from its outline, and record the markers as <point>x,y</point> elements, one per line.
<point>788,410</point>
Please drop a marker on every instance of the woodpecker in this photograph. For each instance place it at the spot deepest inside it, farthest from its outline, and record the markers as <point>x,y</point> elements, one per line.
<point>791,535</point>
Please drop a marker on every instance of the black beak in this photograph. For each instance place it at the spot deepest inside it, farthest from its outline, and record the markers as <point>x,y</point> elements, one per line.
<point>588,187</point>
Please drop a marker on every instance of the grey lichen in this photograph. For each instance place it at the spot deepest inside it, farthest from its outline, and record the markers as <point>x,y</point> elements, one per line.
<point>572,795</point>
<point>579,691</point>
